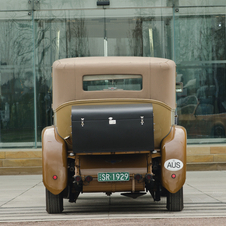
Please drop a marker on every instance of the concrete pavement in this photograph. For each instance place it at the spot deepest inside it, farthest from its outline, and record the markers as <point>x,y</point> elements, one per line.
<point>22,198</point>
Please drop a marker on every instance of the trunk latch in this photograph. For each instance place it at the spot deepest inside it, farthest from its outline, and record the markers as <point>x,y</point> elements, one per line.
<point>111,121</point>
<point>142,120</point>
<point>82,122</point>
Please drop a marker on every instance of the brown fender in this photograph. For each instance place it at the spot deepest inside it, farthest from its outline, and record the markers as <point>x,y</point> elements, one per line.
<point>173,149</point>
<point>54,160</point>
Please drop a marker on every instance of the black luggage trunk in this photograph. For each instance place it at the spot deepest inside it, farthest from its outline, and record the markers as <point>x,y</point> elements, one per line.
<point>112,128</point>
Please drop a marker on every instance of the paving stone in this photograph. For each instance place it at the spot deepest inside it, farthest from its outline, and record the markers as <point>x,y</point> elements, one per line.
<point>23,154</point>
<point>35,170</point>
<point>218,150</point>
<point>194,150</point>
<point>2,154</point>
<point>22,162</point>
<point>219,158</point>
<point>200,158</point>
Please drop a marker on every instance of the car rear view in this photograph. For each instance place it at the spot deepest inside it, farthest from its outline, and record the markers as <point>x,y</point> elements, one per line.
<point>114,131</point>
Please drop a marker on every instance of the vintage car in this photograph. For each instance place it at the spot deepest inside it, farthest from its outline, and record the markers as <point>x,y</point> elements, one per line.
<point>114,131</point>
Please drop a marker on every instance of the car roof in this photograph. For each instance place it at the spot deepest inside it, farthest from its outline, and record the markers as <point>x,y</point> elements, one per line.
<point>158,78</point>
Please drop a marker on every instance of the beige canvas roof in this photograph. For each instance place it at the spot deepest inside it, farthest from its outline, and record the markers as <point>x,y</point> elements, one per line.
<point>158,78</point>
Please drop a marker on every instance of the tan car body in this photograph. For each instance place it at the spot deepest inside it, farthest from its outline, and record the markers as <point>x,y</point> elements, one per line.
<point>158,88</point>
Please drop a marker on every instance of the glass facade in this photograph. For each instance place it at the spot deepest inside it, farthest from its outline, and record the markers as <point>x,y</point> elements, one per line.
<point>35,33</point>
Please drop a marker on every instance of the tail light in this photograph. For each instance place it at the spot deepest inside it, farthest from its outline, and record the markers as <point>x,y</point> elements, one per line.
<point>138,177</point>
<point>77,178</point>
<point>55,177</point>
<point>88,178</point>
<point>173,176</point>
<point>148,177</point>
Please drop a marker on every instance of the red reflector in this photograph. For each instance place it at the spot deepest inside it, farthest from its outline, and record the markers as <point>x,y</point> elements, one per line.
<point>137,177</point>
<point>173,176</point>
<point>55,177</point>
<point>88,178</point>
<point>78,178</point>
<point>148,176</point>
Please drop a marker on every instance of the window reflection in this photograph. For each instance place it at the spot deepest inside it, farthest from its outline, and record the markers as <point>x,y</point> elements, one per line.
<point>112,82</point>
<point>16,82</point>
<point>194,37</point>
<point>200,55</point>
<point>203,113</point>
<point>17,107</point>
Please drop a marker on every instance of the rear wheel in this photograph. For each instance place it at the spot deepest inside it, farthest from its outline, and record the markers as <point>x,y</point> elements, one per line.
<point>175,201</point>
<point>54,203</point>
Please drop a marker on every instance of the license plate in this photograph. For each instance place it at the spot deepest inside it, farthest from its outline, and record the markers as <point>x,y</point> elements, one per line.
<point>119,176</point>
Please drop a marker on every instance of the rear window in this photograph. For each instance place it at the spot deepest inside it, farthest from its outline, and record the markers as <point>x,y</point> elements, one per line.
<point>112,82</point>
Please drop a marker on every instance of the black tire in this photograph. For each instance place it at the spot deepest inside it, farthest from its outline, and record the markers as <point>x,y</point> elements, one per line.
<point>54,203</point>
<point>175,201</point>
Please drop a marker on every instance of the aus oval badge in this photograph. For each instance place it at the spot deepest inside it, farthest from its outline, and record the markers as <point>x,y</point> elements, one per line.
<point>173,164</point>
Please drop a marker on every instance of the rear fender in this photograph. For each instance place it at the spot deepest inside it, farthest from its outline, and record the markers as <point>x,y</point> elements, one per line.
<point>173,162</point>
<point>54,160</point>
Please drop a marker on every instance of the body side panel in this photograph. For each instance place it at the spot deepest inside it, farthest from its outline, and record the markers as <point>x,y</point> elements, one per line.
<point>54,160</point>
<point>174,147</point>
